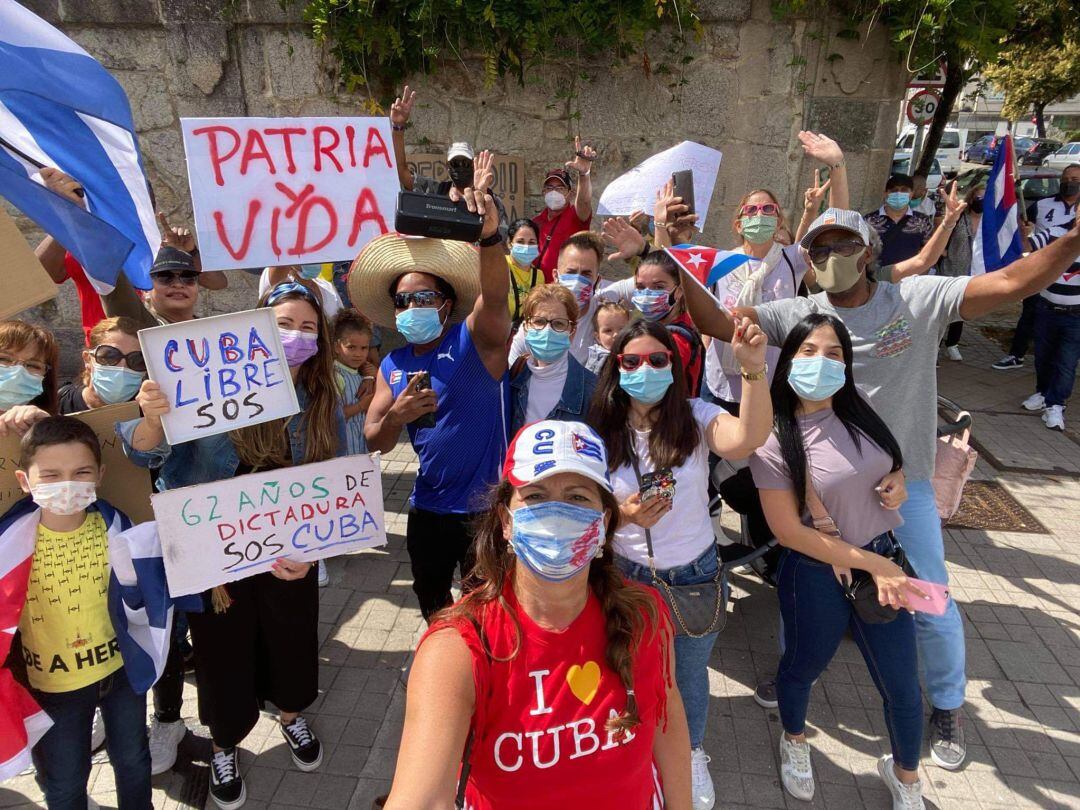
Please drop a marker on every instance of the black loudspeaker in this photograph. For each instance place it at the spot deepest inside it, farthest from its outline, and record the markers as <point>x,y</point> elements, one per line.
<point>436,216</point>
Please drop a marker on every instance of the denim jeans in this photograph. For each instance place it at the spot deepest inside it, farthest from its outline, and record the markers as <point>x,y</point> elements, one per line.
<point>816,615</point>
<point>691,654</point>
<point>62,756</point>
<point>1057,351</point>
<point>940,638</point>
<point>1025,327</point>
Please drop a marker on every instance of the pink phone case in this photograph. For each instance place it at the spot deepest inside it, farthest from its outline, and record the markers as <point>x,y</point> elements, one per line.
<point>938,601</point>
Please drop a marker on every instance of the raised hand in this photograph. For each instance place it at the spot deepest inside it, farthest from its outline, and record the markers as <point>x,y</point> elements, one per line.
<point>401,109</point>
<point>821,147</point>
<point>583,157</point>
<point>749,344</point>
<point>622,236</point>
<point>816,193</point>
<point>484,170</point>
<point>181,238</point>
<point>668,207</point>
<point>954,206</point>
<point>63,184</point>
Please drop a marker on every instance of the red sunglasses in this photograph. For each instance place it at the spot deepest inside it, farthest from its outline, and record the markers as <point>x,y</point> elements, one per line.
<point>768,209</point>
<point>632,362</point>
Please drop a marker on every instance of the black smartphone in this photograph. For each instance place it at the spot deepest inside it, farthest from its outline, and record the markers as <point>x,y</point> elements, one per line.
<point>423,383</point>
<point>658,484</point>
<point>683,181</point>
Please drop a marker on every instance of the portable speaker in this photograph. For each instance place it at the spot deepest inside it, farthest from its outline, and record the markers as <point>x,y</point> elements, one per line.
<point>436,216</point>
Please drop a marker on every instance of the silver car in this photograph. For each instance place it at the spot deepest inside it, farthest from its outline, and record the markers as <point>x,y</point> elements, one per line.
<point>1067,155</point>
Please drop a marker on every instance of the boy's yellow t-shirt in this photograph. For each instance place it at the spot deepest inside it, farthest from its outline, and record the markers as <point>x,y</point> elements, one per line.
<point>67,636</point>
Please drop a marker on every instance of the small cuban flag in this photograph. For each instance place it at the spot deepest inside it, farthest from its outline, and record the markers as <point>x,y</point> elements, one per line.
<point>707,265</point>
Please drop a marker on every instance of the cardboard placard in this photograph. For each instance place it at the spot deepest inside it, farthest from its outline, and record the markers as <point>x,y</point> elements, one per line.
<point>509,179</point>
<point>216,533</point>
<point>273,191</point>
<point>219,373</point>
<point>125,486</point>
<point>26,284</point>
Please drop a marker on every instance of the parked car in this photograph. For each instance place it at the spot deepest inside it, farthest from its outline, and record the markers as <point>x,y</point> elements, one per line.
<point>948,151</point>
<point>1063,157</point>
<point>1040,148</point>
<point>1033,185</point>
<point>902,165</point>
<point>985,149</point>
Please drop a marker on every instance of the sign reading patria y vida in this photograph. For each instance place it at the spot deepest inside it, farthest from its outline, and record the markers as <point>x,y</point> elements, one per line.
<point>272,191</point>
<point>216,533</point>
<point>219,373</point>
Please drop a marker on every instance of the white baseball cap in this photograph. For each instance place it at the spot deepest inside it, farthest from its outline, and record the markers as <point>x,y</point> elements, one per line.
<point>459,149</point>
<point>837,218</point>
<point>550,447</point>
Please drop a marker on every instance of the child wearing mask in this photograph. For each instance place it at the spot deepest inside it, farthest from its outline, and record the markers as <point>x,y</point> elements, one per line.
<point>354,374</point>
<point>609,319</point>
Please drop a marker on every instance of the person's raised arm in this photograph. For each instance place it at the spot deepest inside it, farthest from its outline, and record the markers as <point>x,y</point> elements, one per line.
<point>153,404</point>
<point>1022,278</point>
<point>735,438</point>
<point>671,748</point>
<point>182,238</point>
<point>582,164</point>
<point>708,316</point>
<point>438,710</point>
<point>50,252</point>
<point>400,112</point>
<point>669,215</point>
<point>825,149</point>
<point>932,250</point>
<point>625,238</point>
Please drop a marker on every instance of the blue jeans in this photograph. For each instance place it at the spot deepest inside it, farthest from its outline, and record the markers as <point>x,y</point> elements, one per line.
<point>62,756</point>
<point>1025,327</point>
<point>691,654</point>
<point>816,615</point>
<point>1057,351</point>
<point>940,638</point>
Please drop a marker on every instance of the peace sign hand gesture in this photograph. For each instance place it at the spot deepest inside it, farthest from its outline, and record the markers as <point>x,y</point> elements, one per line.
<point>954,206</point>
<point>816,193</point>
<point>401,109</point>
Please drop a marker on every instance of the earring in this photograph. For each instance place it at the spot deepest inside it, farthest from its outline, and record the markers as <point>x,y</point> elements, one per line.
<point>599,551</point>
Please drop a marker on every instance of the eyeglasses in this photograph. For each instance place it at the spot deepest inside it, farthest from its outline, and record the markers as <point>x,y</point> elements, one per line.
<point>632,362</point>
<point>167,277</point>
<point>423,298</point>
<point>558,324</point>
<point>768,209</point>
<point>821,253</point>
<point>35,367</point>
<point>107,355</point>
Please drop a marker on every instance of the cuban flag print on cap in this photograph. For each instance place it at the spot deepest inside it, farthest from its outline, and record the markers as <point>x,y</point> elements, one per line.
<point>551,447</point>
<point>707,266</point>
<point>998,240</point>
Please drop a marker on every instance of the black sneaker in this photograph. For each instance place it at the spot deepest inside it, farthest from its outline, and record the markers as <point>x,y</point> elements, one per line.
<point>947,746</point>
<point>765,694</point>
<point>226,785</point>
<point>305,746</point>
<point>1008,362</point>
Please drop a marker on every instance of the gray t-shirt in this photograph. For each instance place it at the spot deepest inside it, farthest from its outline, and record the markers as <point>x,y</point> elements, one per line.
<point>895,337</point>
<point>844,476</point>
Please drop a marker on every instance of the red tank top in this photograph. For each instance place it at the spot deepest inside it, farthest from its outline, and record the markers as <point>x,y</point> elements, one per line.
<point>539,736</point>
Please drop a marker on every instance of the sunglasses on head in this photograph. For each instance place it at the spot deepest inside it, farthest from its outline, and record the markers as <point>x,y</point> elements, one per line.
<point>632,362</point>
<point>768,209</point>
<point>292,288</point>
<point>185,277</point>
<point>106,355</point>
<point>423,298</point>
<point>821,253</point>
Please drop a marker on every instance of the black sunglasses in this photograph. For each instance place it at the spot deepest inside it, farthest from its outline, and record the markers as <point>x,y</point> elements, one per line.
<point>167,277</point>
<point>424,298</point>
<point>821,253</point>
<point>111,356</point>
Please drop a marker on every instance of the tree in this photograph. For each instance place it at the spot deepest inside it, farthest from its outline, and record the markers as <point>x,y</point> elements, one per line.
<point>1033,77</point>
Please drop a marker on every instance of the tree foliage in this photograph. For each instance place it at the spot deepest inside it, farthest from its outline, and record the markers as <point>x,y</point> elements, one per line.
<point>1035,76</point>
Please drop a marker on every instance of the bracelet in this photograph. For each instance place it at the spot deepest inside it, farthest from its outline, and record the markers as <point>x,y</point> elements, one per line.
<point>399,127</point>
<point>754,376</point>
<point>584,174</point>
<point>840,165</point>
<point>659,224</point>
<point>491,241</point>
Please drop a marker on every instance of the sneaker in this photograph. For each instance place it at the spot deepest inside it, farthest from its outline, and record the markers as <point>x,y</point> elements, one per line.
<point>1054,416</point>
<point>1036,402</point>
<point>226,785</point>
<point>701,780</point>
<point>97,731</point>
<point>305,746</point>
<point>795,770</point>
<point>953,354</point>
<point>765,694</point>
<point>904,797</point>
<point>322,574</point>
<point>947,746</point>
<point>1008,362</point>
<point>164,739</point>
<point>91,804</point>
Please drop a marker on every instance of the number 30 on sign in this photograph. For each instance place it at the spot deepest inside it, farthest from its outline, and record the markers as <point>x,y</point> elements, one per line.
<point>922,106</point>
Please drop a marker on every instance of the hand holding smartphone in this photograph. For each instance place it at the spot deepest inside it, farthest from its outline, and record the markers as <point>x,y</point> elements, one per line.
<point>938,597</point>
<point>658,484</point>
<point>421,381</point>
<point>683,185</point>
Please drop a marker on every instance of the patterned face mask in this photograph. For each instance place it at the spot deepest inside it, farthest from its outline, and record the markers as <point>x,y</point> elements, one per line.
<point>64,497</point>
<point>556,540</point>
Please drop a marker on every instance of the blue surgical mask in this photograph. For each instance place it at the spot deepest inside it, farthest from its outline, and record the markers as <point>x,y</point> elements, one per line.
<point>816,378</point>
<point>18,387</point>
<point>546,344</point>
<point>556,540</point>
<point>645,383</point>
<point>897,200</point>
<point>310,271</point>
<point>580,286</point>
<point>654,305</point>
<point>116,383</point>
<point>524,255</point>
<point>419,325</point>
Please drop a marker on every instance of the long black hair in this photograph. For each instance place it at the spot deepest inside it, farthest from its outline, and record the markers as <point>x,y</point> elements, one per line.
<point>673,437</point>
<point>847,403</point>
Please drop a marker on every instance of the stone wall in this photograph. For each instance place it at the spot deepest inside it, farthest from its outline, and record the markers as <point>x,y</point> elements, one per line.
<point>754,83</point>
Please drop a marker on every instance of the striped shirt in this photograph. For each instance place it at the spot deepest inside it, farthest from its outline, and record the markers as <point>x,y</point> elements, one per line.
<point>349,381</point>
<point>1053,219</point>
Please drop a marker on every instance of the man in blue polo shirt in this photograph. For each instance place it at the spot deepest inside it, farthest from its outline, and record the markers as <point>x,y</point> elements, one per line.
<point>903,232</point>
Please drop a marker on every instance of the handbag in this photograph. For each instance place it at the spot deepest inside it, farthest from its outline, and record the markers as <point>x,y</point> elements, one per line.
<point>697,610</point>
<point>953,465</point>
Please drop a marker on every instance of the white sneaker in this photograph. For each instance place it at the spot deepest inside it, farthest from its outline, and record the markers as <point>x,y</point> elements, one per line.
<point>701,780</point>
<point>795,770</point>
<point>1036,402</point>
<point>1054,416</point>
<point>164,739</point>
<point>953,353</point>
<point>97,731</point>
<point>904,797</point>
<point>322,574</point>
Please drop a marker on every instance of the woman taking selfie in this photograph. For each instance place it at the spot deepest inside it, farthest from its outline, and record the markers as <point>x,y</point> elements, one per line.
<point>831,484</point>
<point>549,685</point>
<point>660,473</point>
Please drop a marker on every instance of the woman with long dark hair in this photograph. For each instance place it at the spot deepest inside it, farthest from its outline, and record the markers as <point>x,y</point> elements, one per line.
<point>658,296</point>
<point>651,428</point>
<point>830,447</point>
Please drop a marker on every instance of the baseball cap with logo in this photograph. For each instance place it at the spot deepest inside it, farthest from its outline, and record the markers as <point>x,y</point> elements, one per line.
<point>561,175</point>
<point>549,447</point>
<point>841,218</point>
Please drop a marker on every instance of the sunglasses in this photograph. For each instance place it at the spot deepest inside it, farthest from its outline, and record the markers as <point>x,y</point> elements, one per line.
<point>821,253</point>
<point>768,209</point>
<point>292,288</point>
<point>106,355</point>
<point>558,324</point>
<point>632,362</point>
<point>167,277</point>
<point>424,298</point>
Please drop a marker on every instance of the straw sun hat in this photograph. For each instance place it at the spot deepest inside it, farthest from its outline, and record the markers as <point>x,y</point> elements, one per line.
<point>386,257</point>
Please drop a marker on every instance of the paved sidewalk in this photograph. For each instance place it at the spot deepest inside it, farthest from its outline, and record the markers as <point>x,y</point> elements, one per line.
<point>1020,594</point>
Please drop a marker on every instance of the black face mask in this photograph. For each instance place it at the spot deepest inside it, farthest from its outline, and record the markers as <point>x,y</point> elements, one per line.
<point>976,205</point>
<point>461,174</point>
<point>1070,188</point>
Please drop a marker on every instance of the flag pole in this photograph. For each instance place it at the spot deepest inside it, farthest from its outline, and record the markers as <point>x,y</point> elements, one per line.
<point>19,153</point>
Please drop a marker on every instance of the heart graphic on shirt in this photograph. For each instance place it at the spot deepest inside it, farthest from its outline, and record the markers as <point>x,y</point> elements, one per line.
<point>584,681</point>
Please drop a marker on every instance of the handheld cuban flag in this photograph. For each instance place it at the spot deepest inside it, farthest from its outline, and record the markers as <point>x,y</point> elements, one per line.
<point>60,108</point>
<point>998,240</point>
<point>707,266</point>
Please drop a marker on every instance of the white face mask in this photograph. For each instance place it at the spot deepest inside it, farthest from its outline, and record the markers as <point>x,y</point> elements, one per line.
<point>64,497</point>
<point>555,200</point>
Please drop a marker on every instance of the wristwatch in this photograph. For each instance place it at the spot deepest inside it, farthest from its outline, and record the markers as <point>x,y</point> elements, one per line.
<point>399,127</point>
<point>755,376</point>
<point>491,241</point>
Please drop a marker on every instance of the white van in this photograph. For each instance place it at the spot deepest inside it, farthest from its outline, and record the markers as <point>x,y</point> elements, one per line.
<point>948,153</point>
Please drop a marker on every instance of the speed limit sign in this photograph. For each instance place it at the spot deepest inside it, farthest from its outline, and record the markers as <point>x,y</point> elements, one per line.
<point>922,106</point>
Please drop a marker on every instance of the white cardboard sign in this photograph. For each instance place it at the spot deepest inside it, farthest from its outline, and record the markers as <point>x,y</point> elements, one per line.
<point>636,190</point>
<point>219,373</point>
<point>273,191</point>
<point>216,533</point>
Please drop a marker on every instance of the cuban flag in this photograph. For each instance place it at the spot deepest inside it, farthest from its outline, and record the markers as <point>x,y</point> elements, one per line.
<point>707,266</point>
<point>998,241</point>
<point>60,108</point>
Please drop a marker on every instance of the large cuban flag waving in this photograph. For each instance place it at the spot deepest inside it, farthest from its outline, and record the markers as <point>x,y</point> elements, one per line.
<point>998,241</point>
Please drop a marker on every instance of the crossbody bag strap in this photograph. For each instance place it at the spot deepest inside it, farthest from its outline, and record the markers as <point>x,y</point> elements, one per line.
<point>637,474</point>
<point>820,516</point>
<point>463,778</point>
